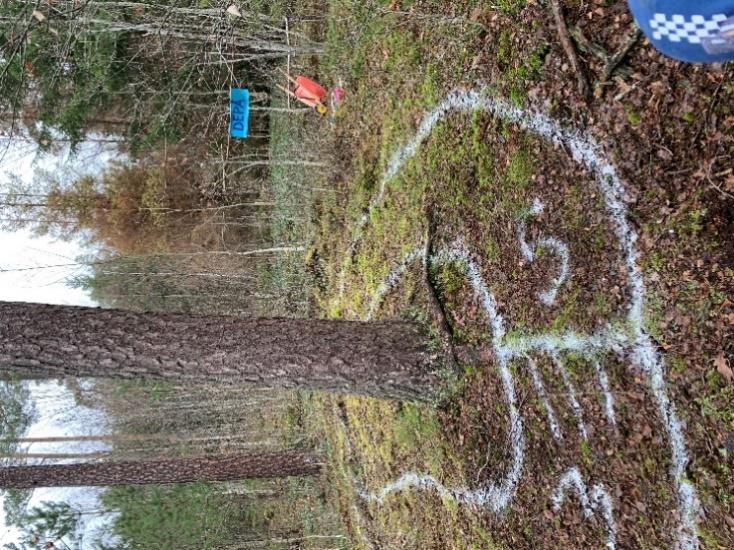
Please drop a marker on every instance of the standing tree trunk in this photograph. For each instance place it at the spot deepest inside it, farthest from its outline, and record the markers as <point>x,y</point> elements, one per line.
<point>228,468</point>
<point>385,359</point>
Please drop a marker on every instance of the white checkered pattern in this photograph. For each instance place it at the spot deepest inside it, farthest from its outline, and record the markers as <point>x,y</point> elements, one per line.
<point>678,28</point>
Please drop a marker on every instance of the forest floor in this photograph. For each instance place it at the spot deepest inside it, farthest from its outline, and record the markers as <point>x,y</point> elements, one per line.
<point>496,195</point>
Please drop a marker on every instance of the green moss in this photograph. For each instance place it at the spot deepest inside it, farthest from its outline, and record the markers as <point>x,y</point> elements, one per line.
<point>710,539</point>
<point>693,223</point>
<point>602,307</point>
<point>450,277</point>
<point>505,52</point>
<point>414,423</point>
<point>678,365</point>
<point>510,7</point>
<point>633,117</point>
<point>520,72</point>
<point>653,315</point>
<point>656,261</point>
<point>522,166</point>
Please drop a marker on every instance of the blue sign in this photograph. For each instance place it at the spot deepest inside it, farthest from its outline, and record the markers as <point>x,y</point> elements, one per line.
<point>239,112</point>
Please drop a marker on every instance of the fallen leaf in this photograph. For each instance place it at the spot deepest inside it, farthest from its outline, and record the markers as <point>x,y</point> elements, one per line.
<point>39,16</point>
<point>234,10</point>
<point>724,370</point>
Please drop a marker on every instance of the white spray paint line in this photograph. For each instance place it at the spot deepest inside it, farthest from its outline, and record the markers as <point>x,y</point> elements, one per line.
<point>460,254</point>
<point>596,500</point>
<point>579,343</point>
<point>645,355</point>
<point>570,394</point>
<point>537,208</point>
<point>570,341</point>
<point>527,251</point>
<point>495,496</point>
<point>499,495</point>
<point>585,150</point>
<point>602,501</point>
<point>540,388</point>
<point>601,374</point>
<point>393,279</point>
<point>572,478</point>
<point>560,249</point>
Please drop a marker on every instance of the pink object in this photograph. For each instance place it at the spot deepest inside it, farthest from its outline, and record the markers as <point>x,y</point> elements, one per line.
<point>338,94</point>
<point>309,90</point>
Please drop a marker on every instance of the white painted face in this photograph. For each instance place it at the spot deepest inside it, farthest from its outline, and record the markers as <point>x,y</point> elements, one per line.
<point>631,341</point>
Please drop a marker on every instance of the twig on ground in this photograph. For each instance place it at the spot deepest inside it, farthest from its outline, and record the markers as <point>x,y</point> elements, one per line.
<point>435,304</point>
<point>587,46</point>
<point>612,62</point>
<point>710,178</point>
<point>712,103</point>
<point>720,190</point>
<point>583,85</point>
<point>438,312</point>
<point>618,56</point>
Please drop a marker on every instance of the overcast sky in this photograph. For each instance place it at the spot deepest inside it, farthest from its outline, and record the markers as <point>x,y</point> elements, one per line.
<point>37,269</point>
<point>23,258</point>
<point>25,275</point>
<point>59,415</point>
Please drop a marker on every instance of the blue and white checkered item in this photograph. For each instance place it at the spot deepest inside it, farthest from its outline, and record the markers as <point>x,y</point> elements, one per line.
<point>690,31</point>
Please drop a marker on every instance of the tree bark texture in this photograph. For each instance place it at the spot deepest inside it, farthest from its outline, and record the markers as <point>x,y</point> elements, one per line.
<point>381,359</point>
<point>228,468</point>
